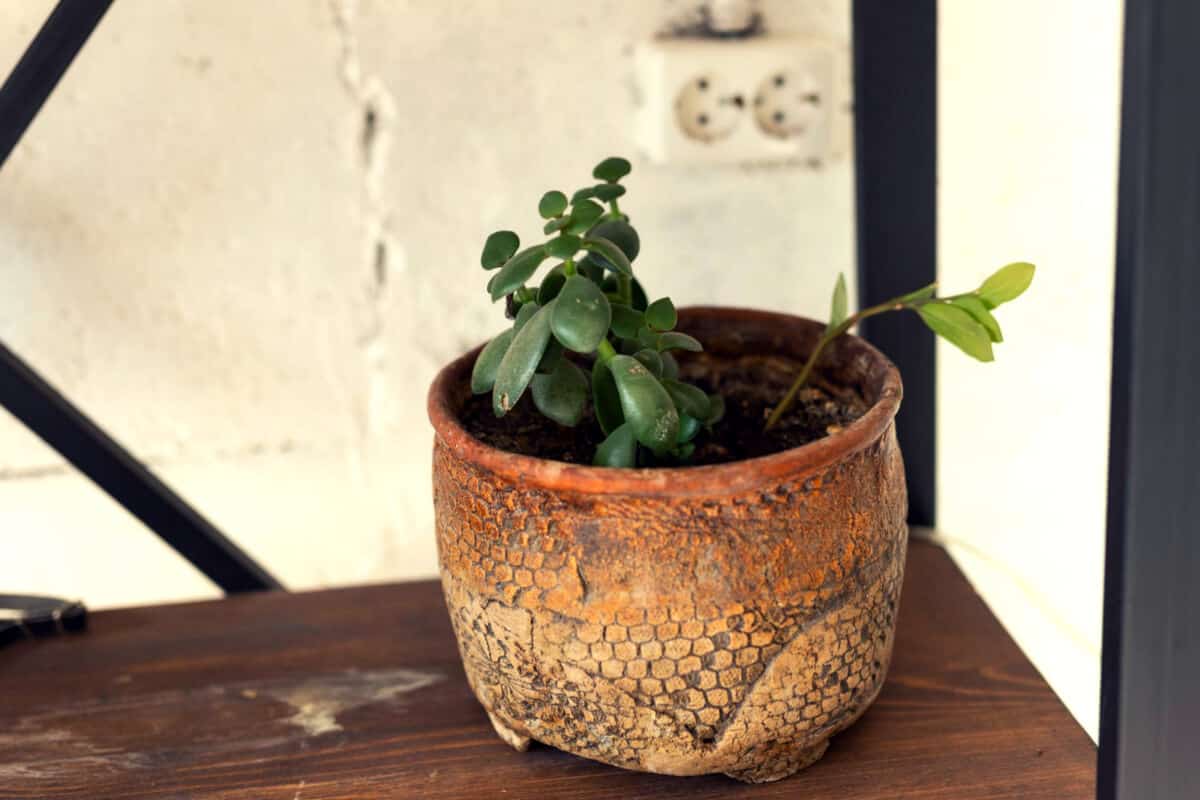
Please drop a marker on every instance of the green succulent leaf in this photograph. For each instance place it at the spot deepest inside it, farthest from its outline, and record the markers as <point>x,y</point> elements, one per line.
<point>612,169</point>
<point>670,365</point>
<point>563,246</point>
<point>607,192</point>
<point>519,269</point>
<point>606,400</point>
<point>660,315</point>
<point>918,296</point>
<point>687,398</point>
<point>524,314</point>
<point>959,328</point>
<point>483,375</point>
<point>581,315</point>
<point>556,224</point>
<point>561,395</point>
<point>647,338</point>
<point>684,451</point>
<point>1007,283</point>
<point>552,204</point>
<point>625,321</point>
<point>583,215</point>
<point>614,257</point>
<point>592,269</point>
<point>975,307</point>
<point>689,426</point>
<point>499,248</point>
<point>583,194</point>
<point>651,360</point>
<point>620,233</point>
<point>618,450</point>
<point>716,406</point>
<point>645,404</point>
<point>552,357</point>
<point>552,284</point>
<point>674,340</point>
<point>840,305</point>
<point>520,362</point>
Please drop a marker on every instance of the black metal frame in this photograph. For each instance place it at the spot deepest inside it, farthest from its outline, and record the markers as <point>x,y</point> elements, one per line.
<point>44,410</point>
<point>1150,709</point>
<point>1150,688</point>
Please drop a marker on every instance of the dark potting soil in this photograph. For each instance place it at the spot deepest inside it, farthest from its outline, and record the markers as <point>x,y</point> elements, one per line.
<point>750,384</point>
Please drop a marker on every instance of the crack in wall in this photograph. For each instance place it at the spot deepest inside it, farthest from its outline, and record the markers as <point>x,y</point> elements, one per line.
<point>375,104</point>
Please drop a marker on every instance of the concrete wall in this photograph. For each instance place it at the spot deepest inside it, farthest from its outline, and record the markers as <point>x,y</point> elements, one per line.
<point>206,245</point>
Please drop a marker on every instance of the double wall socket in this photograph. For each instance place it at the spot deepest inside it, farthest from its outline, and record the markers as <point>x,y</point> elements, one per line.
<point>759,99</point>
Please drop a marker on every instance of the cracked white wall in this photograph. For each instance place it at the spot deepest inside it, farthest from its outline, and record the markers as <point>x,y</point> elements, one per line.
<point>244,236</point>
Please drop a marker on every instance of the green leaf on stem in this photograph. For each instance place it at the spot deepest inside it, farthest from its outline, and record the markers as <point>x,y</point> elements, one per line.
<point>583,194</point>
<point>483,375</point>
<point>524,314</point>
<point>670,366</point>
<point>716,405</point>
<point>645,404</point>
<point>688,399</point>
<point>583,215</point>
<point>552,284</point>
<point>556,224</point>
<point>552,204</point>
<point>674,340</point>
<point>840,306</point>
<point>959,328</point>
<point>520,362</point>
<point>651,360</point>
<point>613,257</point>
<point>660,315</point>
<point>1007,283</point>
<point>499,248</point>
<point>581,315</point>
<point>620,233</point>
<point>561,395</point>
<point>563,246</point>
<point>625,321</point>
<point>612,169</point>
<point>607,192</point>
<point>979,312</point>
<point>618,450</point>
<point>519,269</point>
<point>918,296</point>
<point>689,426</point>
<point>606,400</point>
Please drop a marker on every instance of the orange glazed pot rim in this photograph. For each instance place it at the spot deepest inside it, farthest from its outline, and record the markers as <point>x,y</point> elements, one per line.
<point>719,479</point>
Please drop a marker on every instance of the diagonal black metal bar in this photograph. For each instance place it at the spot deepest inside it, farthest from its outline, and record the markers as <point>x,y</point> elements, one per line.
<point>50,415</point>
<point>43,64</point>
<point>94,453</point>
<point>1150,692</point>
<point>895,111</point>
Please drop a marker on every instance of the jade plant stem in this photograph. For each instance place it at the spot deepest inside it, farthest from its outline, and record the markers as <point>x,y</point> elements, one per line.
<point>831,333</point>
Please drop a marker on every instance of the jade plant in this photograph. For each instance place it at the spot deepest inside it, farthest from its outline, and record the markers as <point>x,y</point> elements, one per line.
<point>590,304</point>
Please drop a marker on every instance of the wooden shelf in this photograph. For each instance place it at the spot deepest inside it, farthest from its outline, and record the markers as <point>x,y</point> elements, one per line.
<point>358,693</point>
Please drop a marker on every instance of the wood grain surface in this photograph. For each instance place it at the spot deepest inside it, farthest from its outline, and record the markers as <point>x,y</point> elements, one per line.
<point>359,693</point>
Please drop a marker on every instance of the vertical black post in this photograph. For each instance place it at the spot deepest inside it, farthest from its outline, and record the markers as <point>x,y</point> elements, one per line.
<point>1150,690</point>
<point>895,109</point>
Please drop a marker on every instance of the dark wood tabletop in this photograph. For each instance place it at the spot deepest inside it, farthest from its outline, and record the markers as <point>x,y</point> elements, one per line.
<point>358,693</point>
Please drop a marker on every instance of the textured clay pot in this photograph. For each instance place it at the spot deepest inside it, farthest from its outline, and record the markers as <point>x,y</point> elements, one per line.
<point>727,618</point>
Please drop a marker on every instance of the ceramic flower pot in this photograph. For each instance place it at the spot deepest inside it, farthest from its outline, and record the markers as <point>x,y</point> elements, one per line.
<point>711,619</point>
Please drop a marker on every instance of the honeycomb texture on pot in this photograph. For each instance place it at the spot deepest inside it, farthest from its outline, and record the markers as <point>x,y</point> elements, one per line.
<point>680,634</point>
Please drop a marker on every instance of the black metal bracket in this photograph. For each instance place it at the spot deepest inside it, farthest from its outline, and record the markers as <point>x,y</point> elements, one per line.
<point>44,410</point>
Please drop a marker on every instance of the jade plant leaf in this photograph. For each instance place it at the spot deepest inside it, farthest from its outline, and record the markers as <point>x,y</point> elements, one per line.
<point>840,305</point>
<point>1007,283</point>
<point>975,307</point>
<point>625,321</point>
<point>552,356</point>
<point>524,314</point>
<point>520,362</point>
<point>645,403</point>
<point>651,360</point>
<point>605,398</point>
<point>483,375</point>
<point>551,284</point>
<point>660,315</point>
<point>499,248</point>
<point>716,405</point>
<point>561,395</point>
<point>670,365</point>
<point>687,398</point>
<point>613,257</point>
<point>674,340</point>
<point>609,191</point>
<point>959,328</point>
<point>519,269</point>
<point>581,315</point>
<point>583,215</point>
<point>620,233</point>
<point>552,204</point>
<point>556,224</point>
<point>619,449</point>
<point>689,426</point>
<point>563,246</point>
<point>612,169</point>
<point>583,194</point>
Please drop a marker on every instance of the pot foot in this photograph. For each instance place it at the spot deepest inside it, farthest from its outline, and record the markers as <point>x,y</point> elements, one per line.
<point>518,742</point>
<point>778,762</point>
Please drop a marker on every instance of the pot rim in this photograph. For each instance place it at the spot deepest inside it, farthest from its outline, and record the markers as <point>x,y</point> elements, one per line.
<point>671,481</point>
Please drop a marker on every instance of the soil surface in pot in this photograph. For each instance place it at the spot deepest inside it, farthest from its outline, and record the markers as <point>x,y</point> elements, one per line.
<point>750,384</point>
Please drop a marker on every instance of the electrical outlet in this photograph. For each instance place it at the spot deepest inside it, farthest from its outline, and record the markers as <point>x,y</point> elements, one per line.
<point>759,99</point>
